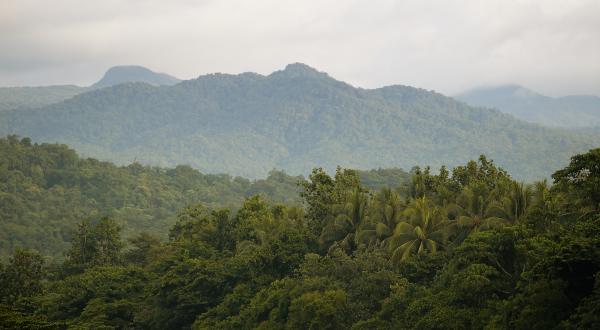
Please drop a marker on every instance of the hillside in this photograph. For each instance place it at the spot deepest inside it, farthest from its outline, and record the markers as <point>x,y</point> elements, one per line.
<point>294,119</point>
<point>34,97</point>
<point>568,111</point>
<point>45,190</point>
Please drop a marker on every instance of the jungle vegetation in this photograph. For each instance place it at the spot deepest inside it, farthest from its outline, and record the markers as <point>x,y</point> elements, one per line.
<point>47,189</point>
<point>461,248</point>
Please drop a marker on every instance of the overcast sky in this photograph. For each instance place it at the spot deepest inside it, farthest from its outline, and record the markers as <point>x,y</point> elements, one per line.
<point>448,46</point>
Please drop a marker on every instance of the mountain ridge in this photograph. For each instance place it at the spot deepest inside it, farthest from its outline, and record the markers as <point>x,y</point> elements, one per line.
<point>571,111</point>
<point>294,119</point>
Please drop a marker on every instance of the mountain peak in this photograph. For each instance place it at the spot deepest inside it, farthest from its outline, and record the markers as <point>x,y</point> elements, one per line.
<point>482,96</point>
<point>300,70</point>
<point>514,90</point>
<point>134,73</point>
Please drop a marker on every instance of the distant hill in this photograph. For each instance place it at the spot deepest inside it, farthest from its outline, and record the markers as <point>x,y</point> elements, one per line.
<point>294,119</point>
<point>132,73</point>
<point>35,97</point>
<point>568,111</point>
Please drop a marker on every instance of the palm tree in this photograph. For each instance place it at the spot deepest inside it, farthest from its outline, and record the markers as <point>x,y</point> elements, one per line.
<point>423,232</point>
<point>265,227</point>
<point>473,210</point>
<point>540,192</point>
<point>514,205</point>
<point>348,220</point>
<point>264,231</point>
<point>386,211</point>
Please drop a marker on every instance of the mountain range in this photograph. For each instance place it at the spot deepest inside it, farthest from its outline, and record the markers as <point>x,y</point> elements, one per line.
<point>293,119</point>
<point>525,104</point>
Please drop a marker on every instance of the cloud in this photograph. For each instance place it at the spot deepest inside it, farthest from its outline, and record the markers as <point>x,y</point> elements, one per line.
<point>449,46</point>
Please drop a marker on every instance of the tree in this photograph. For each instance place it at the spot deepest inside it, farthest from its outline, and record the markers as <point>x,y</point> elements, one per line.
<point>424,231</point>
<point>200,232</point>
<point>257,224</point>
<point>103,297</point>
<point>349,217</point>
<point>22,276</point>
<point>473,209</point>
<point>94,245</point>
<point>582,178</point>
<point>83,246</point>
<point>418,187</point>
<point>321,192</point>
<point>513,206</point>
<point>145,248</point>
<point>108,242</point>
<point>386,210</point>
<point>484,171</point>
<point>319,310</point>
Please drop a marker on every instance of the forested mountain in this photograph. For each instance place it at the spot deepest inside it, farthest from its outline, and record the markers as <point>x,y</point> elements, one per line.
<point>35,97</point>
<point>133,73</point>
<point>567,111</point>
<point>45,190</point>
<point>467,248</point>
<point>294,119</point>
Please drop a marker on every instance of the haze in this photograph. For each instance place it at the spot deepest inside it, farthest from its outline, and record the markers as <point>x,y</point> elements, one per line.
<point>449,46</point>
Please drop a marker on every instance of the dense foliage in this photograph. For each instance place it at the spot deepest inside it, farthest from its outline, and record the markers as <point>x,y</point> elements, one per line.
<point>294,119</point>
<point>468,248</point>
<point>46,189</point>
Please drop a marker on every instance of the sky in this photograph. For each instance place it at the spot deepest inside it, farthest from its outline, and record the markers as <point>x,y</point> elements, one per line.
<point>448,46</point>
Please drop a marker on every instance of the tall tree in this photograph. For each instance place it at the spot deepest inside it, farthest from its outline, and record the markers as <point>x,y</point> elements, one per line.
<point>582,178</point>
<point>424,231</point>
<point>321,192</point>
<point>22,276</point>
<point>98,244</point>
<point>514,205</point>
<point>385,212</point>
<point>350,216</point>
<point>473,204</point>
